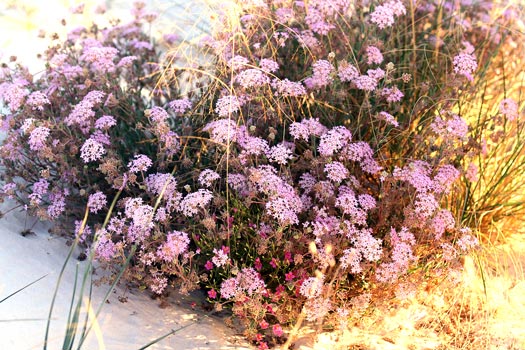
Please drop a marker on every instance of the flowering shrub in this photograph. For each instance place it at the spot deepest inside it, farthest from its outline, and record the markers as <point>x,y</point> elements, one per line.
<point>314,168</point>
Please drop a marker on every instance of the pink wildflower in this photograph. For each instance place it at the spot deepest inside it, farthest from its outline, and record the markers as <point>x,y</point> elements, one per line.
<point>280,154</point>
<point>277,330</point>
<point>268,65</point>
<point>190,205</point>
<point>252,78</point>
<point>38,137</point>
<point>37,100</point>
<point>105,122</point>
<point>347,72</point>
<point>140,163</point>
<point>382,16</point>
<point>322,71</point>
<point>374,55</point>
<point>366,83</point>
<point>288,88</point>
<point>389,118</point>
<point>509,108</point>
<point>212,294</point>
<point>336,171</point>
<point>177,243</point>
<point>96,202</point>
<point>180,106</point>
<point>91,151</point>
<point>465,64</point>
<point>207,177</point>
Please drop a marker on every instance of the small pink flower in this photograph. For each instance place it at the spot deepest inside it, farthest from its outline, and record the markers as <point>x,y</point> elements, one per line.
<point>263,346</point>
<point>257,264</point>
<point>289,276</point>
<point>277,330</point>
<point>273,263</point>
<point>209,265</point>
<point>263,324</point>
<point>212,294</point>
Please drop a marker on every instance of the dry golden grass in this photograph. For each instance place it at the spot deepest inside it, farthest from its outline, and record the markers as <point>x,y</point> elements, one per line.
<point>479,305</point>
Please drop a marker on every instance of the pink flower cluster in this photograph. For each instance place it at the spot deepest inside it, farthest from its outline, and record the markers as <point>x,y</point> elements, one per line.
<point>247,282</point>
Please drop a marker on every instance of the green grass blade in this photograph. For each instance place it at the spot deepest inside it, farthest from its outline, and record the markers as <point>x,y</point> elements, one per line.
<point>21,289</point>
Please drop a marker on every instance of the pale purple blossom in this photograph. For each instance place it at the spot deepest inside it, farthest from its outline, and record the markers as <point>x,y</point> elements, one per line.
<point>228,288</point>
<point>158,114</point>
<point>9,189</point>
<point>57,205</point>
<point>37,100</point>
<point>140,163</point>
<point>334,140</point>
<point>351,260</point>
<point>441,222</point>
<point>105,248</point>
<point>27,124</point>
<point>158,284</point>
<point>126,61</point>
<point>280,154</point>
<point>83,113</point>
<point>465,64</point>
<point>96,202</point>
<point>307,127</point>
<point>252,78</point>
<point>237,62</point>
<point>227,105</point>
<point>444,178</point>
<point>366,201</point>
<point>397,7</point>
<point>207,177</point>
<point>190,205</point>
<point>268,65</point>
<point>347,72</point>
<point>382,16</point>
<point>220,257</point>
<point>336,171</point>
<point>387,117</point>
<point>376,74</point>
<point>509,108</point>
<point>101,58</point>
<point>286,87</point>
<point>317,23</point>
<point>40,188</point>
<point>467,241</point>
<point>238,182</point>
<point>454,127</point>
<point>91,151</point>
<point>181,105</point>
<point>312,287</point>
<point>105,122</point>
<point>322,75</point>
<point>14,94</point>
<point>365,82</point>
<point>392,94</point>
<point>177,243</point>
<point>38,137</point>
<point>253,145</point>
<point>307,182</point>
<point>374,55</point>
<point>222,131</point>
